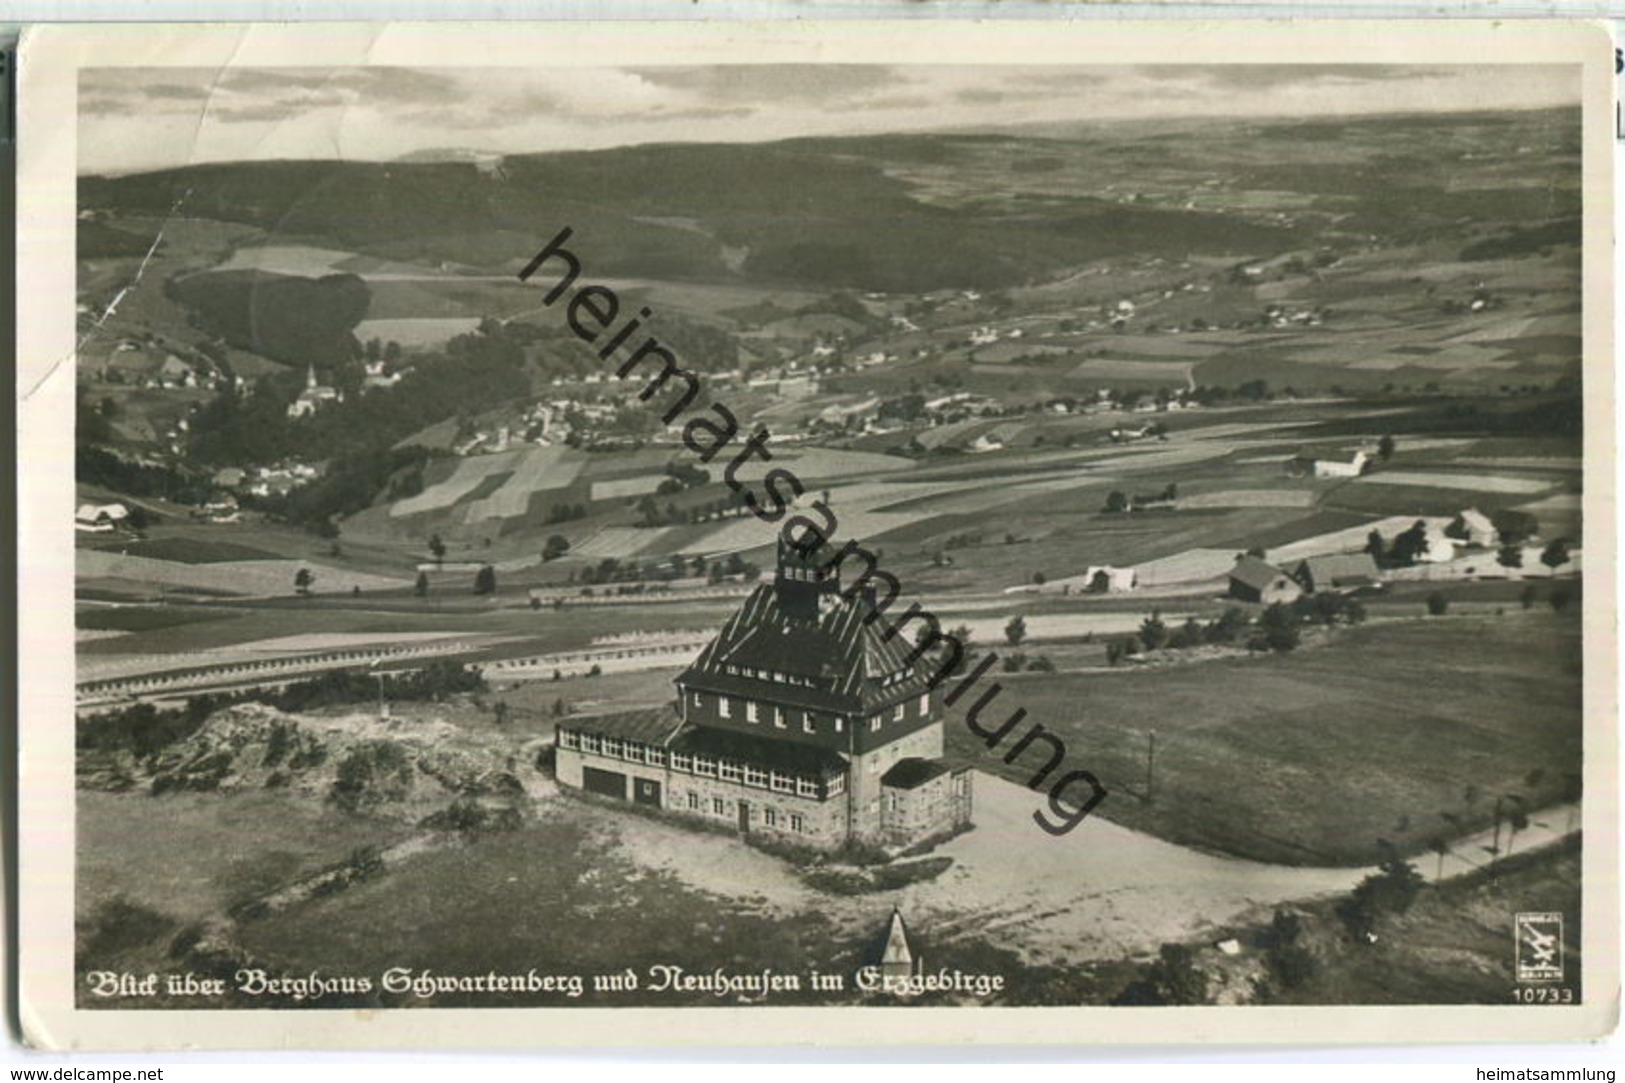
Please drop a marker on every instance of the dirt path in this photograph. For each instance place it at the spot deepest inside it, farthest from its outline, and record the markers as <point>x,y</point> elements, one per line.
<point>1104,891</point>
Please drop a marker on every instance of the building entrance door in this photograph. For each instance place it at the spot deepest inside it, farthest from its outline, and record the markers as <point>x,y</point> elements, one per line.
<point>744,816</point>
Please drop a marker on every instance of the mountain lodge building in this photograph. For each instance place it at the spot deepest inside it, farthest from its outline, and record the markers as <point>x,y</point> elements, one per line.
<point>799,719</point>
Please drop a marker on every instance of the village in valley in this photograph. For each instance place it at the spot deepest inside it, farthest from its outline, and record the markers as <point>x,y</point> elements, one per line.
<point>403,620</point>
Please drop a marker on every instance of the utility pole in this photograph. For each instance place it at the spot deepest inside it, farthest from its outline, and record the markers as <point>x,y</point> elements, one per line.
<point>1150,766</point>
<point>1495,843</point>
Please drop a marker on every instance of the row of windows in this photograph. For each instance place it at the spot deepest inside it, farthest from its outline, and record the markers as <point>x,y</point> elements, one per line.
<point>726,770</point>
<point>809,720</point>
<point>771,817</point>
<point>770,675</point>
<point>753,714</point>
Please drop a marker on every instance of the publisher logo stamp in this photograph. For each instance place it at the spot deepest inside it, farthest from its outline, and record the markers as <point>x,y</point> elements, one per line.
<point>1540,946</point>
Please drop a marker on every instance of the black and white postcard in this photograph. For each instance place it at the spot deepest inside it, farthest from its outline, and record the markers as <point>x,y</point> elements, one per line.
<point>623,533</point>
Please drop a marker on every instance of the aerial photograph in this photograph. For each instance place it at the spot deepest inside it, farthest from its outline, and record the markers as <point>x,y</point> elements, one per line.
<point>828,534</point>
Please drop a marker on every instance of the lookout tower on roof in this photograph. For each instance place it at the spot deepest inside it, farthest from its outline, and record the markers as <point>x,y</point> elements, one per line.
<point>804,587</point>
<point>797,719</point>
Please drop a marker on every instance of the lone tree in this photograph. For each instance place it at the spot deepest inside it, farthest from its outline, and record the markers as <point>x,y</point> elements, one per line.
<point>437,548</point>
<point>1510,556</point>
<point>1441,846</point>
<point>1375,546</point>
<point>555,546</point>
<point>1438,604</point>
<point>1409,546</point>
<point>302,580</point>
<point>1278,627</point>
<point>1517,819</point>
<point>1513,526</point>
<point>421,587</point>
<point>1385,448</point>
<point>1116,501</point>
<point>485,580</point>
<point>1154,632</point>
<point>1227,627</point>
<point>1015,630</point>
<point>1556,554</point>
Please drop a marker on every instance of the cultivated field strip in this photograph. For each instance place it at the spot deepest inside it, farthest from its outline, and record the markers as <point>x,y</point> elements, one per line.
<point>1473,483</point>
<point>241,577</point>
<point>467,476</point>
<point>535,470</point>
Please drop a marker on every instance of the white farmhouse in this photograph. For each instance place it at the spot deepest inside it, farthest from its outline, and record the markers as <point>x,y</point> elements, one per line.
<point>1333,468</point>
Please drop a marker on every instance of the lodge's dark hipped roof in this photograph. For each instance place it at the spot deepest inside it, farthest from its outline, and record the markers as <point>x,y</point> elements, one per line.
<point>844,655</point>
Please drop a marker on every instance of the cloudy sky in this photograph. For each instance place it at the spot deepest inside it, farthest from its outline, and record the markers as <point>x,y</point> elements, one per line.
<point>147,118</point>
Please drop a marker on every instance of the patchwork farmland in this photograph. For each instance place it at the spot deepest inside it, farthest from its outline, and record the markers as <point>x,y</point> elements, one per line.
<point>1070,389</point>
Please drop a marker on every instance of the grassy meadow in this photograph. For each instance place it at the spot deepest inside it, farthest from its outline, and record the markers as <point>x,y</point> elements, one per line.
<point>1310,758</point>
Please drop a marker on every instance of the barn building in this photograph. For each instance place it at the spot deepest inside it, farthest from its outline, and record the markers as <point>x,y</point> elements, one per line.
<point>800,719</point>
<point>1337,572</point>
<point>1254,580</point>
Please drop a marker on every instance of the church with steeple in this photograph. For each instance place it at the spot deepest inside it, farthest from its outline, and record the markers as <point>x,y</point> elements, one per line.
<point>313,397</point>
<point>798,719</point>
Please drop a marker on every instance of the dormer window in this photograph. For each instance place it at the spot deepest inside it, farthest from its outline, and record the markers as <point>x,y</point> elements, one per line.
<point>925,703</point>
<point>897,713</point>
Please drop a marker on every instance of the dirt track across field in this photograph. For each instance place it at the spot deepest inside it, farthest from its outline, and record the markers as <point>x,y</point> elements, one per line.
<point>1101,892</point>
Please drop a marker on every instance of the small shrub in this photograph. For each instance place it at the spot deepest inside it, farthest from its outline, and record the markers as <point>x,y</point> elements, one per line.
<point>1438,604</point>
<point>1390,890</point>
<point>1278,628</point>
<point>118,925</point>
<point>1290,962</point>
<point>881,878</point>
<point>1172,978</point>
<point>372,773</point>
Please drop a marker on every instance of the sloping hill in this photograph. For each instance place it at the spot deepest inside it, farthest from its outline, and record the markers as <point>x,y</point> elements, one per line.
<point>806,213</point>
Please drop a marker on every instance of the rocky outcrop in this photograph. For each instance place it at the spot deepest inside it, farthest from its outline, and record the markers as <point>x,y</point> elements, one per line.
<point>359,762</point>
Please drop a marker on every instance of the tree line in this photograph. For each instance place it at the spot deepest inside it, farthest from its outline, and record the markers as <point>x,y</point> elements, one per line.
<point>143,729</point>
